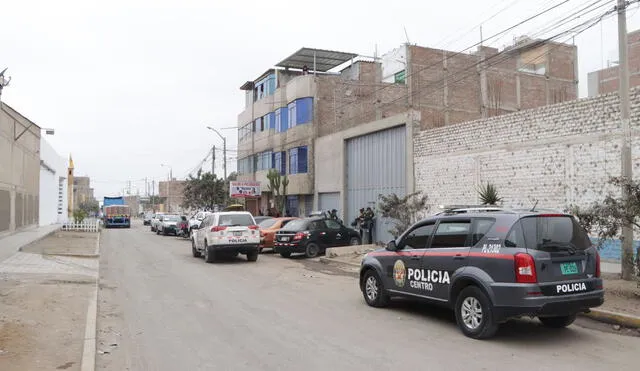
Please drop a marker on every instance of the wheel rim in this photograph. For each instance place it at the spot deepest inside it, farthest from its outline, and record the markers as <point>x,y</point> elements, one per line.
<point>471,311</point>
<point>312,250</point>
<point>371,288</point>
<point>354,241</point>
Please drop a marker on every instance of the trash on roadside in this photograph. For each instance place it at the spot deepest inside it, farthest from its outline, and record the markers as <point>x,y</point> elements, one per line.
<point>616,327</point>
<point>114,345</point>
<point>103,351</point>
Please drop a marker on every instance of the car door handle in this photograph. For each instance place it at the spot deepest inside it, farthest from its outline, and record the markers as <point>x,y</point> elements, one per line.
<point>415,257</point>
<point>459,257</point>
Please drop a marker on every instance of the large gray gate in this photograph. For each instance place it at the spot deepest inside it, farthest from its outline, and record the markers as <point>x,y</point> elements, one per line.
<point>376,164</point>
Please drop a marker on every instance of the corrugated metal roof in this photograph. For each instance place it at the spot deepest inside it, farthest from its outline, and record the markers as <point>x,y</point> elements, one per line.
<point>324,59</point>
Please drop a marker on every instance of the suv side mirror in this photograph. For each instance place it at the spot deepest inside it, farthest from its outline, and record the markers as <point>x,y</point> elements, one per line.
<point>391,246</point>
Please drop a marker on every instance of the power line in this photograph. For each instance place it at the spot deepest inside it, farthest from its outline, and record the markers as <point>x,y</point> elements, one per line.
<point>462,51</point>
<point>503,55</point>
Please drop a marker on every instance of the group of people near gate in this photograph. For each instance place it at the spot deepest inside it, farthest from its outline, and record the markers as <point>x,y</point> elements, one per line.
<point>364,222</point>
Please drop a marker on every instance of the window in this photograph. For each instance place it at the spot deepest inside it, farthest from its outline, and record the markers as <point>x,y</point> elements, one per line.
<point>264,160</point>
<point>451,234</point>
<point>332,224</point>
<point>281,118</point>
<point>298,160</point>
<point>292,205</point>
<point>480,228</point>
<point>265,87</point>
<point>553,233</point>
<point>418,238</point>
<point>280,162</point>
<point>230,220</point>
<point>292,114</point>
<point>316,225</point>
<point>304,110</point>
<point>270,120</point>
<point>399,77</point>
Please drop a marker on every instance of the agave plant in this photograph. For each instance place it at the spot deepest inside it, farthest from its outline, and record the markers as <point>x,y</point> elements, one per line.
<point>488,194</point>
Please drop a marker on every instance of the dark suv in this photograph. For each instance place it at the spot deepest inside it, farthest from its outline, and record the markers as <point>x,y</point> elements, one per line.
<point>313,235</point>
<point>490,266</point>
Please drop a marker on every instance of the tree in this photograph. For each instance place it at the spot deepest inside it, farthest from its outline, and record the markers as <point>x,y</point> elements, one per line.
<point>232,177</point>
<point>488,194</point>
<point>79,215</point>
<point>606,218</point>
<point>278,187</point>
<point>204,190</point>
<point>405,210</point>
<point>89,207</point>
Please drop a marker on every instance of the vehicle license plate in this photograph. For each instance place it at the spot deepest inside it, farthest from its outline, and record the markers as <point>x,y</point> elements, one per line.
<point>569,268</point>
<point>237,233</point>
<point>284,239</point>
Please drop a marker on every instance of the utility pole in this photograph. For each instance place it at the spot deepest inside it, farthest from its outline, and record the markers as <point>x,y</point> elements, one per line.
<point>213,160</point>
<point>146,188</point>
<point>625,155</point>
<point>224,156</point>
<point>153,200</point>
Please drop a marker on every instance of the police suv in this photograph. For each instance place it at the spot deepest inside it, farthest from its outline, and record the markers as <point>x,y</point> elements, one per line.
<point>490,265</point>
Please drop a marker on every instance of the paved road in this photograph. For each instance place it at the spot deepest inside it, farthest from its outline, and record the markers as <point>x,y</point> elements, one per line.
<point>166,310</point>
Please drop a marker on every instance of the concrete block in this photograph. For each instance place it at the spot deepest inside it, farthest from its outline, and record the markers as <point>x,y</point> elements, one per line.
<point>335,252</point>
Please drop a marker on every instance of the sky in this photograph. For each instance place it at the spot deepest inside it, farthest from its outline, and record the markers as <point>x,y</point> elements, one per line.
<point>131,85</point>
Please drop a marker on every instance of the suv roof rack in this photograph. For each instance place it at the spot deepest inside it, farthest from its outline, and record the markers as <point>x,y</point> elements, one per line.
<point>461,209</point>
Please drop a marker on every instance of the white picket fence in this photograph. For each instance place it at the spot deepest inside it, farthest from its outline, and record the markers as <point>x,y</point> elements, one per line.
<point>93,226</point>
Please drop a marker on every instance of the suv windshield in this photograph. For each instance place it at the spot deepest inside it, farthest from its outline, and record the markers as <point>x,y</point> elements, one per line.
<point>171,218</point>
<point>231,220</point>
<point>548,233</point>
<point>296,225</point>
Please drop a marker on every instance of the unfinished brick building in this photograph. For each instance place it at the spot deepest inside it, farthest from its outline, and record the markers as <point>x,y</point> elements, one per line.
<point>607,80</point>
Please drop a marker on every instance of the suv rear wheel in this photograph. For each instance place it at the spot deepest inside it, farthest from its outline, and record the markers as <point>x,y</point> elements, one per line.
<point>474,313</point>
<point>209,253</point>
<point>252,256</point>
<point>373,290</point>
<point>558,322</point>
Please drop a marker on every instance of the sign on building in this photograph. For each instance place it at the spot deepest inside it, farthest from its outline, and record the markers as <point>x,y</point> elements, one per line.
<point>239,189</point>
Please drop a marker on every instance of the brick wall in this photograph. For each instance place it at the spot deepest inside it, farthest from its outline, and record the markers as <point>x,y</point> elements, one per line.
<point>558,155</point>
<point>607,80</point>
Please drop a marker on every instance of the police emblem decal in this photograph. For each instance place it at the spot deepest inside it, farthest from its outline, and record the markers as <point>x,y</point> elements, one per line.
<point>399,273</point>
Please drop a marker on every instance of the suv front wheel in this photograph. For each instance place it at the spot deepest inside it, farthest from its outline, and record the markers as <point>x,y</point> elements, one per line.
<point>373,290</point>
<point>558,322</point>
<point>474,313</point>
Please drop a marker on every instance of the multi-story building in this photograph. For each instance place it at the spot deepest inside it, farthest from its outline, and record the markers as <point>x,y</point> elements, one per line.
<point>341,126</point>
<point>53,201</point>
<point>607,80</point>
<point>173,191</point>
<point>82,191</point>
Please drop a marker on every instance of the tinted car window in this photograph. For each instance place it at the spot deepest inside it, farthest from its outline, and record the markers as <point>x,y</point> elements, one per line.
<point>171,218</point>
<point>418,238</point>
<point>451,234</point>
<point>332,224</point>
<point>296,225</point>
<point>267,223</point>
<point>480,228</point>
<point>207,221</point>
<point>235,220</point>
<point>317,225</point>
<point>553,233</point>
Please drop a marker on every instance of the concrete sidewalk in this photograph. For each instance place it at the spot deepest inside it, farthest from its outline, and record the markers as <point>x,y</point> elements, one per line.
<point>10,244</point>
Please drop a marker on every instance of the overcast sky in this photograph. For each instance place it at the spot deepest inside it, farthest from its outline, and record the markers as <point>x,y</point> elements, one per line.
<point>129,85</point>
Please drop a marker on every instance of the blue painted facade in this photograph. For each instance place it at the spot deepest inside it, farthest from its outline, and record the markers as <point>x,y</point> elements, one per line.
<point>611,250</point>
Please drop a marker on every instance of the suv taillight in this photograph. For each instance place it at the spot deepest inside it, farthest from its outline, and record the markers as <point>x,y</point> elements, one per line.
<point>218,228</point>
<point>525,268</point>
<point>300,235</point>
<point>597,264</point>
<point>253,227</point>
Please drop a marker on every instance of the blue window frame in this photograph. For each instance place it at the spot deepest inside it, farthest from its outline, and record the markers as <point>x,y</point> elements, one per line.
<point>292,205</point>
<point>304,110</point>
<point>280,162</point>
<point>281,119</point>
<point>265,160</point>
<point>298,160</point>
<point>271,120</point>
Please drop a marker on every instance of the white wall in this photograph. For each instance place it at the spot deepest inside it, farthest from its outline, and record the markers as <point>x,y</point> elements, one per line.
<point>53,167</point>
<point>393,62</point>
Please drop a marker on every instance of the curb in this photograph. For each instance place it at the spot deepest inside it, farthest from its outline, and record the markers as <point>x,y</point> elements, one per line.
<point>613,318</point>
<point>89,349</point>
<point>39,239</point>
<point>326,260</point>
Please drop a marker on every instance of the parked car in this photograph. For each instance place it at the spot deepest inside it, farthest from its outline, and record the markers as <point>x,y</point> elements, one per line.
<point>312,236</point>
<point>168,225</point>
<point>261,218</point>
<point>268,229</point>
<point>155,221</point>
<point>226,233</point>
<point>196,219</point>
<point>146,220</point>
<point>490,266</point>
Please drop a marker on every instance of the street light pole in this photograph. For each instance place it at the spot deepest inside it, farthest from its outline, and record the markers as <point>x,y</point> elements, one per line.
<point>224,150</point>
<point>625,155</point>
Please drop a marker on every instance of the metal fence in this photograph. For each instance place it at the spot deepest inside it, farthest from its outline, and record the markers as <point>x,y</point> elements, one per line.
<point>92,226</point>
